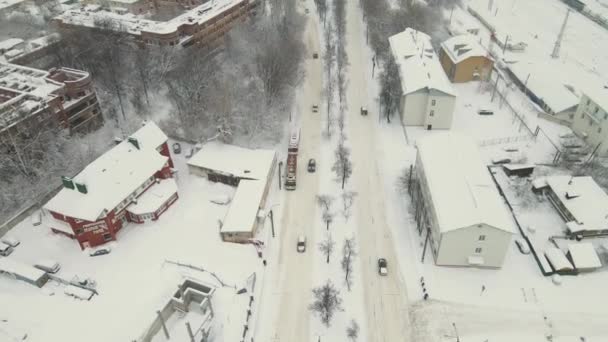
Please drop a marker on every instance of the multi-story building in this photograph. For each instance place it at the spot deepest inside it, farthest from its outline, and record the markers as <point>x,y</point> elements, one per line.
<point>464,59</point>
<point>427,96</point>
<point>132,182</point>
<point>591,119</point>
<point>34,97</point>
<point>203,25</point>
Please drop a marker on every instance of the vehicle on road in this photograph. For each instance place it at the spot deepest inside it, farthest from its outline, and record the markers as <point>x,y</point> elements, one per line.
<point>315,108</point>
<point>5,250</point>
<point>522,245</point>
<point>100,251</point>
<point>485,112</point>
<point>315,55</point>
<point>301,245</point>
<point>292,160</point>
<point>364,111</point>
<point>36,218</point>
<point>177,148</point>
<point>382,267</point>
<point>312,165</point>
<point>50,266</point>
<point>11,241</point>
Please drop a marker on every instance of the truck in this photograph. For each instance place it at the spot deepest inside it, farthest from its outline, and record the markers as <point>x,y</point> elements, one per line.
<point>292,160</point>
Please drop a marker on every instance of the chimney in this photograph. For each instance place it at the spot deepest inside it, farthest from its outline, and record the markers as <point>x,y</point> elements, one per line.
<point>81,187</point>
<point>67,182</point>
<point>134,142</point>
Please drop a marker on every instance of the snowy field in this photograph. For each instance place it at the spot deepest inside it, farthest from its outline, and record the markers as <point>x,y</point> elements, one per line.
<point>133,280</point>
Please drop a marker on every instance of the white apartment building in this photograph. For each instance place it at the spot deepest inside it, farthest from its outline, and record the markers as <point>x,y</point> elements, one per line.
<point>591,119</point>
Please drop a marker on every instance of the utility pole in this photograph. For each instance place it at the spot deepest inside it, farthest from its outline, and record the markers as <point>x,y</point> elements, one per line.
<point>560,36</point>
<point>495,86</point>
<point>456,331</point>
<point>505,46</point>
<point>190,334</point>
<point>280,164</point>
<point>162,322</point>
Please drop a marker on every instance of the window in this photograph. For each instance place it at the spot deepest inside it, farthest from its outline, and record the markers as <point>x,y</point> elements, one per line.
<point>432,113</point>
<point>588,102</point>
<point>107,237</point>
<point>582,115</point>
<point>78,231</point>
<point>482,238</point>
<point>599,129</point>
<point>571,116</point>
<point>478,250</point>
<point>596,110</point>
<point>590,122</point>
<point>605,116</point>
<point>433,102</point>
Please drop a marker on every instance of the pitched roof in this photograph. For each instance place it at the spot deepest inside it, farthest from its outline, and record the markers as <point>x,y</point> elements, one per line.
<point>461,47</point>
<point>110,179</point>
<point>584,255</point>
<point>460,185</point>
<point>419,66</point>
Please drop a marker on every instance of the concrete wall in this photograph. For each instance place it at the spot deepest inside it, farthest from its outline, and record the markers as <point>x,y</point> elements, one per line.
<point>418,109</point>
<point>458,245</point>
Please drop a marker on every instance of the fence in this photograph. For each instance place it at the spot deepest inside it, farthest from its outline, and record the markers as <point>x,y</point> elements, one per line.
<point>505,140</point>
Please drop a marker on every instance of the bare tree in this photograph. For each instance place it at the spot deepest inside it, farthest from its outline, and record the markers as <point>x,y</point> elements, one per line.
<point>328,217</point>
<point>390,87</point>
<point>325,201</point>
<point>352,331</point>
<point>322,9</point>
<point>329,58</point>
<point>349,252</point>
<point>327,246</point>
<point>326,302</point>
<point>343,167</point>
<point>348,198</point>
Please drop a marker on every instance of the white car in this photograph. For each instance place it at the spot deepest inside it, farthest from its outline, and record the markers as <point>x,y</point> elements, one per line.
<point>36,218</point>
<point>11,241</point>
<point>5,250</point>
<point>382,267</point>
<point>50,266</point>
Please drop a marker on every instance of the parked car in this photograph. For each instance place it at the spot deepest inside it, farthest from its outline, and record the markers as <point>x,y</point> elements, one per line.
<point>522,245</point>
<point>485,112</point>
<point>36,218</point>
<point>382,267</point>
<point>50,266</point>
<point>364,111</point>
<point>315,55</point>
<point>5,250</point>
<point>312,165</point>
<point>315,108</point>
<point>11,241</point>
<point>100,251</point>
<point>177,148</point>
<point>301,245</point>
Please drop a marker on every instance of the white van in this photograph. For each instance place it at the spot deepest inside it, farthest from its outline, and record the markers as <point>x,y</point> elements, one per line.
<point>5,250</point>
<point>301,245</point>
<point>36,218</point>
<point>49,266</point>
<point>11,241</point>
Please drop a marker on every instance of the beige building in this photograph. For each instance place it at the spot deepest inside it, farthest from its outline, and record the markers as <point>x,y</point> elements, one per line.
<point>590,121</point>
<point>465,220</point>
<point>428,98</point>
<point>463,59</point>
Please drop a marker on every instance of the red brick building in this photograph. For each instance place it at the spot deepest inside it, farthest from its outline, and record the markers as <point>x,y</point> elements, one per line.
<point>132,182</point>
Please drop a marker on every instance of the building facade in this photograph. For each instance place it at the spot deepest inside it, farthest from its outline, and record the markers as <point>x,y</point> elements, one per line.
<point>30,97</point>
<point>591,120</point>
<point>132,182</point>
<point>427,96</point>
<point>463,59</point>
<point>457,204</point>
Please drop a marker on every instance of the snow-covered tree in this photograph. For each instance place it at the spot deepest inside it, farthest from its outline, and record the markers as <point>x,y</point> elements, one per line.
<point>352,331</point>
<point>349,252</point>
<point>327,246</point>
<point>326,301</point>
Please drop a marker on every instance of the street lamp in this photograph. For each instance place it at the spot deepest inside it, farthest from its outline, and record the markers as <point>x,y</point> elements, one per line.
<point>456,331</point>
<point>271,214</point>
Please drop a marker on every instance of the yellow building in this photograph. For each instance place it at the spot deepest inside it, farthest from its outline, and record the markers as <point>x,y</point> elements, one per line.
<point>464,59</point>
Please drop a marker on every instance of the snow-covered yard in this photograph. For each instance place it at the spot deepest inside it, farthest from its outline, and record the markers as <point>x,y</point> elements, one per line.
<point>133,280</point>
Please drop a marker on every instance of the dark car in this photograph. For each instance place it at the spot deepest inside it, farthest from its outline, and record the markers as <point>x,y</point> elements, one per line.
<point>382,267</point>
<point>100,251</point>
<point>315,55</point>
<point>363,111</point>
<point>312,165</point>
<point>177,148</point>
<point>485,112</point>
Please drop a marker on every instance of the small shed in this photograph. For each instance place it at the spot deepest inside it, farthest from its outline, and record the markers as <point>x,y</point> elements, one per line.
<point>23,272</point>
<point>583,256</point>
<point>558,261</point>
<point>519,170</point>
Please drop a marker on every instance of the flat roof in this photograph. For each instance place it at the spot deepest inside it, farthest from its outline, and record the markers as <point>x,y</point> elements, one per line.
<point>557,259</point>
<point>110,179</point>
<point>12,266</point>
<point>419,67</point>
<point>460,185</point>
<point>154,197</point>
<point>545,83</point>
<point>584,255</point>
<point>589,207</point>
<point>237,161</point>
<point>244,207</point>
<point>464,46</point>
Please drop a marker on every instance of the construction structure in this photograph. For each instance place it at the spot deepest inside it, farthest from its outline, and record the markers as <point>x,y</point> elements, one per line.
<point>427,96</point>
<point>203,25</point>
<point>132,182</point>
<point>250,171</point>
<point>31,97</point>
<point>464,219</point>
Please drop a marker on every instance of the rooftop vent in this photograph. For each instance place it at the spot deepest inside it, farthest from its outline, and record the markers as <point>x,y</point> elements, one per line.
<point>571,194</point>
<point>67,182</point>
<point>462,51</point>
<point>82,188</point>
<point>134,142</point>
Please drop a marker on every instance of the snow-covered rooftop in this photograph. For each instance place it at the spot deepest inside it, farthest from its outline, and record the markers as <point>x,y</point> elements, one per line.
<point>545,84</point>
<point>237,161</point>
<point>419,66</point>
<point>245,205</point>
<point>584,256</point>
<point>151,135</point>
<point>557,259</point>
<point>154,198</point>
<point>461,47</point>
<point>589,206</point>
<point>461,187</point>
<point>10,43</point>
<point>15,267</point>
<point>599,95</point>
<point>110,179</point>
